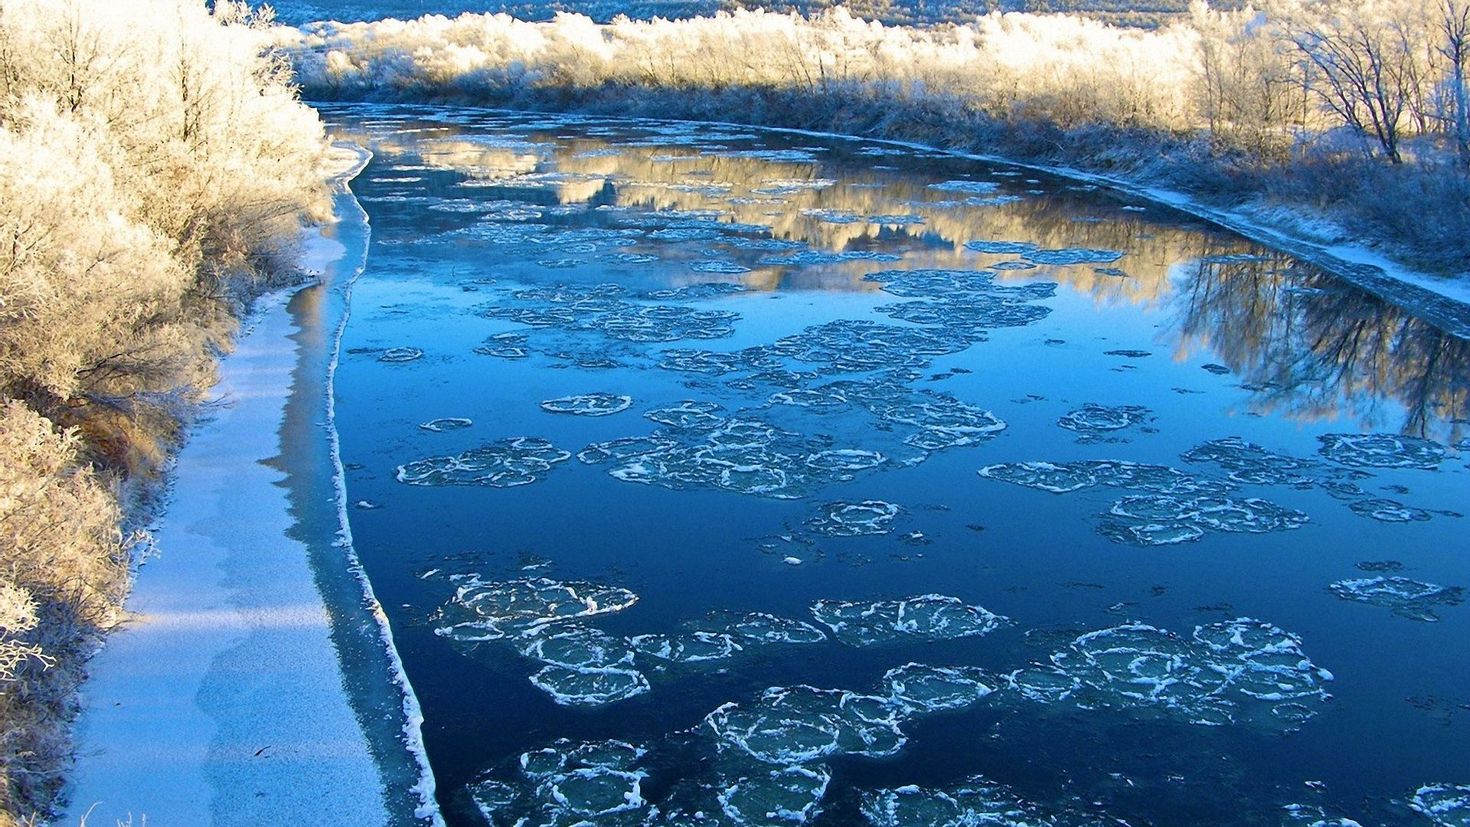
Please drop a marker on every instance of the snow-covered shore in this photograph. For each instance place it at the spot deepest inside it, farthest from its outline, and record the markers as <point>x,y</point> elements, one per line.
<point>224,699</point>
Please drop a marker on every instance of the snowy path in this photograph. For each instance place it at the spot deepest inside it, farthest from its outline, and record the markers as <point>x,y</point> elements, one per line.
<point>222,700</point>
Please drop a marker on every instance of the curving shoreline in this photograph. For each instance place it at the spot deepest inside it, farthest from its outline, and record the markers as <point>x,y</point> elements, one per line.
<point>1443,298</point>
<point>173,742</point>
<point>255,679</point>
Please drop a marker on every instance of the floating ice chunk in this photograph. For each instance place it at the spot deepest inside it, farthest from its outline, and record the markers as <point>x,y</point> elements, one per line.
<point>685,234</point>
<point>448,423</point>
<point>1247,462</point>
<point>934,283</point>
<point>974,803</point>
<point>1046,476</point>
<point>787,186</point>
<point>1153,519</point>
<point>845,460</point>
<point>1263,663</point>
<point>802,724</point>
<point>777,156</point>
<point>595,792</point>
<point>1042,683</point>
<point>920,688</point>
<point>815,399</point>
<point>943,421</point>
<point>1447,805</point>
<point>632,258</point>
<point>598,308</point>
<point>501,464</point>
<point>1165,534</point>
<point>1389,511</point>
<point>1302,815</point>
<point>807,258</point>
<point>1159,479</point>
<point>589,686</point>
<point>1239,670</point>
<point>736,454</point>
<point>1408,598</point>
<point>850,519</point>
<point>504,346</point>
<point>1061,478</point>
<point>926,617</point>
<point>493,799</point>
<point>717,266</point>
<point>969,298</point>
<point>708,362</point>
<point>1078,255</point>
<point>976,187</point>
<point>860,345</point>
<point>563,754</point>
<point>1382,450</point>
<point>832,216</point>
<point>978,312</point>
<point>689,292</point>
<point>759,628</point>
<point>398,355</point>
<point>687,648</point>
<point>589,404</point>
<point>761,243</point>
<point>625,448</point>
<point>576,647</point>
<point>688,414</point>
<point>790,795</point>
<point>1092,418</point>
<point>490,610</point>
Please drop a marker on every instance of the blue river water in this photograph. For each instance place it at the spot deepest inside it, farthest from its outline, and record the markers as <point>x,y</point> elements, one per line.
<point>711,475</point>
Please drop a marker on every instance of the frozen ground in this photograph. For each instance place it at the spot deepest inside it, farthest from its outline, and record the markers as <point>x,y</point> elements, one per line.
<point>222,699</point>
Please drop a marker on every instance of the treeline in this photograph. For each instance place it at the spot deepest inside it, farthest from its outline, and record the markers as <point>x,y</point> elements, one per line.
<point>155,170</point>
<point>1352,112</point>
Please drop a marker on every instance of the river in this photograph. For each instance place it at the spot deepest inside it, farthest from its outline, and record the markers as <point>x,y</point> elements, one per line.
<point>713,475</point>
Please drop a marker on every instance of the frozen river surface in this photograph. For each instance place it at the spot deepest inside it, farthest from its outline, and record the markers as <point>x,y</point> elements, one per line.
<point>717,476</point>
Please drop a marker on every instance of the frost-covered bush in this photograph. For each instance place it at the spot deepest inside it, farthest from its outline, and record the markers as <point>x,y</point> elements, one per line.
<point>1069,69</point>
<point>1241,105</point>
<point>63,571</point>
<point>1254,79</point>
<point>156,168</point>
<point>153,162</point>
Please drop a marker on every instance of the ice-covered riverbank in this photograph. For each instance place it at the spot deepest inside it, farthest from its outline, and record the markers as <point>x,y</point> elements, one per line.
<point>231,696</point>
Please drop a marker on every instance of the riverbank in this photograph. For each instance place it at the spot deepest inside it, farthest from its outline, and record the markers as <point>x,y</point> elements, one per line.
<point>228,695</point>
<point>1126,108</point>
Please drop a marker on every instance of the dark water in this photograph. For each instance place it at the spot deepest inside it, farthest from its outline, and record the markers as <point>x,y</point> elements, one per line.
<point>1231,677</point>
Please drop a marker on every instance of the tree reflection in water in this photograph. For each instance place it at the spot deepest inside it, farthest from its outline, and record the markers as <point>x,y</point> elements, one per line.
<point>1311,346</point>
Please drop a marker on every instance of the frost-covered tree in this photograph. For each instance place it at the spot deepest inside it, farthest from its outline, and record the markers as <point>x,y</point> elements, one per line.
<point>156,167</point>
<point>1454,28</point>
<point>1367,61</point>
<point>1250,92</point>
